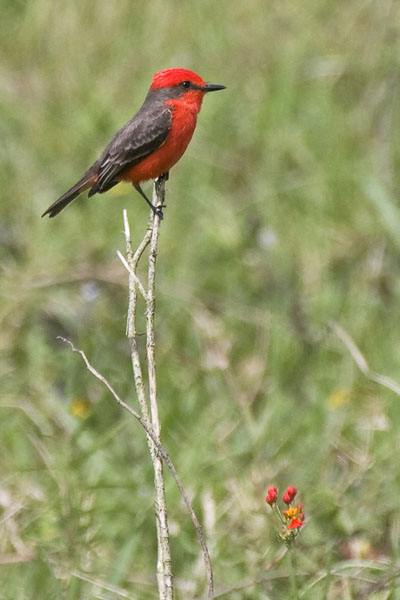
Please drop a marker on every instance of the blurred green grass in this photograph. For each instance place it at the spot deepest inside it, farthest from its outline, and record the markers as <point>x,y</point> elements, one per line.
<point>282,216</point>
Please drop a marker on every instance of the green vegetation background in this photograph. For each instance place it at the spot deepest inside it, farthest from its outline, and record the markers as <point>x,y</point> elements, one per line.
<point>282,216</point>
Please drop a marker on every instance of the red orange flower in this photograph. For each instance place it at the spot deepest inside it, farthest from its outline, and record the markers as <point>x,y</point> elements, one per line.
<point>295,523</point>
<point>290,512</point>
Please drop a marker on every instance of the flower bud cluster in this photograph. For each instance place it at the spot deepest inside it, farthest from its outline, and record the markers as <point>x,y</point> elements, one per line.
<point>291,519</point>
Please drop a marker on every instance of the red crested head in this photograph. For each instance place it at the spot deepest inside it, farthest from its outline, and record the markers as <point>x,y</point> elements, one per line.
<point>181,88</point>
<point>171,77</point>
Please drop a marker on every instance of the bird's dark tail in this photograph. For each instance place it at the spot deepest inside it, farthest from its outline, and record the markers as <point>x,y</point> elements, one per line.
<point>83,184</point>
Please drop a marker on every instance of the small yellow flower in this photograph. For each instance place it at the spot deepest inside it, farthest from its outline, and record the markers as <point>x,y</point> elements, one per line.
<point>339,397</point>
<point>290,512</point>
<point>80,407</point>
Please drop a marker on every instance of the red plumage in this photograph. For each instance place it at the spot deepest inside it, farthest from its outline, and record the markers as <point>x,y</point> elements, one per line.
<point>170,77</point>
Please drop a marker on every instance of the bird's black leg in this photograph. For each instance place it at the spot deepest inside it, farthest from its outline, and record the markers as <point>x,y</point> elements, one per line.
<point>157,210</point>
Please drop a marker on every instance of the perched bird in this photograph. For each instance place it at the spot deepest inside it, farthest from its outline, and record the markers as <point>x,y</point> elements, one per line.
<point>151,142</point>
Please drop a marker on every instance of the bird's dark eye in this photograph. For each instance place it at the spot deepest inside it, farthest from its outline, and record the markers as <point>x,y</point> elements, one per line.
<point>185,84</point>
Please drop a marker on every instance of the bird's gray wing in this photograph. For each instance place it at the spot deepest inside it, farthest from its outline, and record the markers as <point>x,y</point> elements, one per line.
<point>141,136</point>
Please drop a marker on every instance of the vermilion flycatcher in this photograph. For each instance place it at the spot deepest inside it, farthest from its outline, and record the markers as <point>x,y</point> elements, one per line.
<point>151,142</point>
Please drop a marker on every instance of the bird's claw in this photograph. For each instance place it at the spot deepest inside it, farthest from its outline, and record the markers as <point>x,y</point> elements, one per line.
<point>159,212</point>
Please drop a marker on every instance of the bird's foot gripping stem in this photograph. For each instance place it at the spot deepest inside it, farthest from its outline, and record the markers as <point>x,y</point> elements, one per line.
<point>161,179</point>
<point>157,210</point>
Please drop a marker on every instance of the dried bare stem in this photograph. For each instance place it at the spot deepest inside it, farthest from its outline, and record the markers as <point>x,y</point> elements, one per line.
<point>149,408</point>
<point>164,566</point>
<point>158,200</point>
<point>132,260</point>
<point>164,570</point>
<point>361,362</point>
<point>133,274</point>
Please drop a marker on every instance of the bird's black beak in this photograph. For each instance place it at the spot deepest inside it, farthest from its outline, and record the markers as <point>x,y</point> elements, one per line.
<point>212,87</point>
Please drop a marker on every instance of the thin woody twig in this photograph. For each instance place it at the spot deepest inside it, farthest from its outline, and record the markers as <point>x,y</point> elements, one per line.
<point>164,572</point>
<point>151,239</point>
<point>158,200</point>
<point>361,362</point>
<point>134,276</point>
<point>164,566</point>
<point>103,585</point>
<point>131,320</point>
<point>108,385</point>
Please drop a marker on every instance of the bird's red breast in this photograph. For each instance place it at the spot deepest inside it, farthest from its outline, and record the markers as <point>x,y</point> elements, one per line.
<point>168,154</point>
